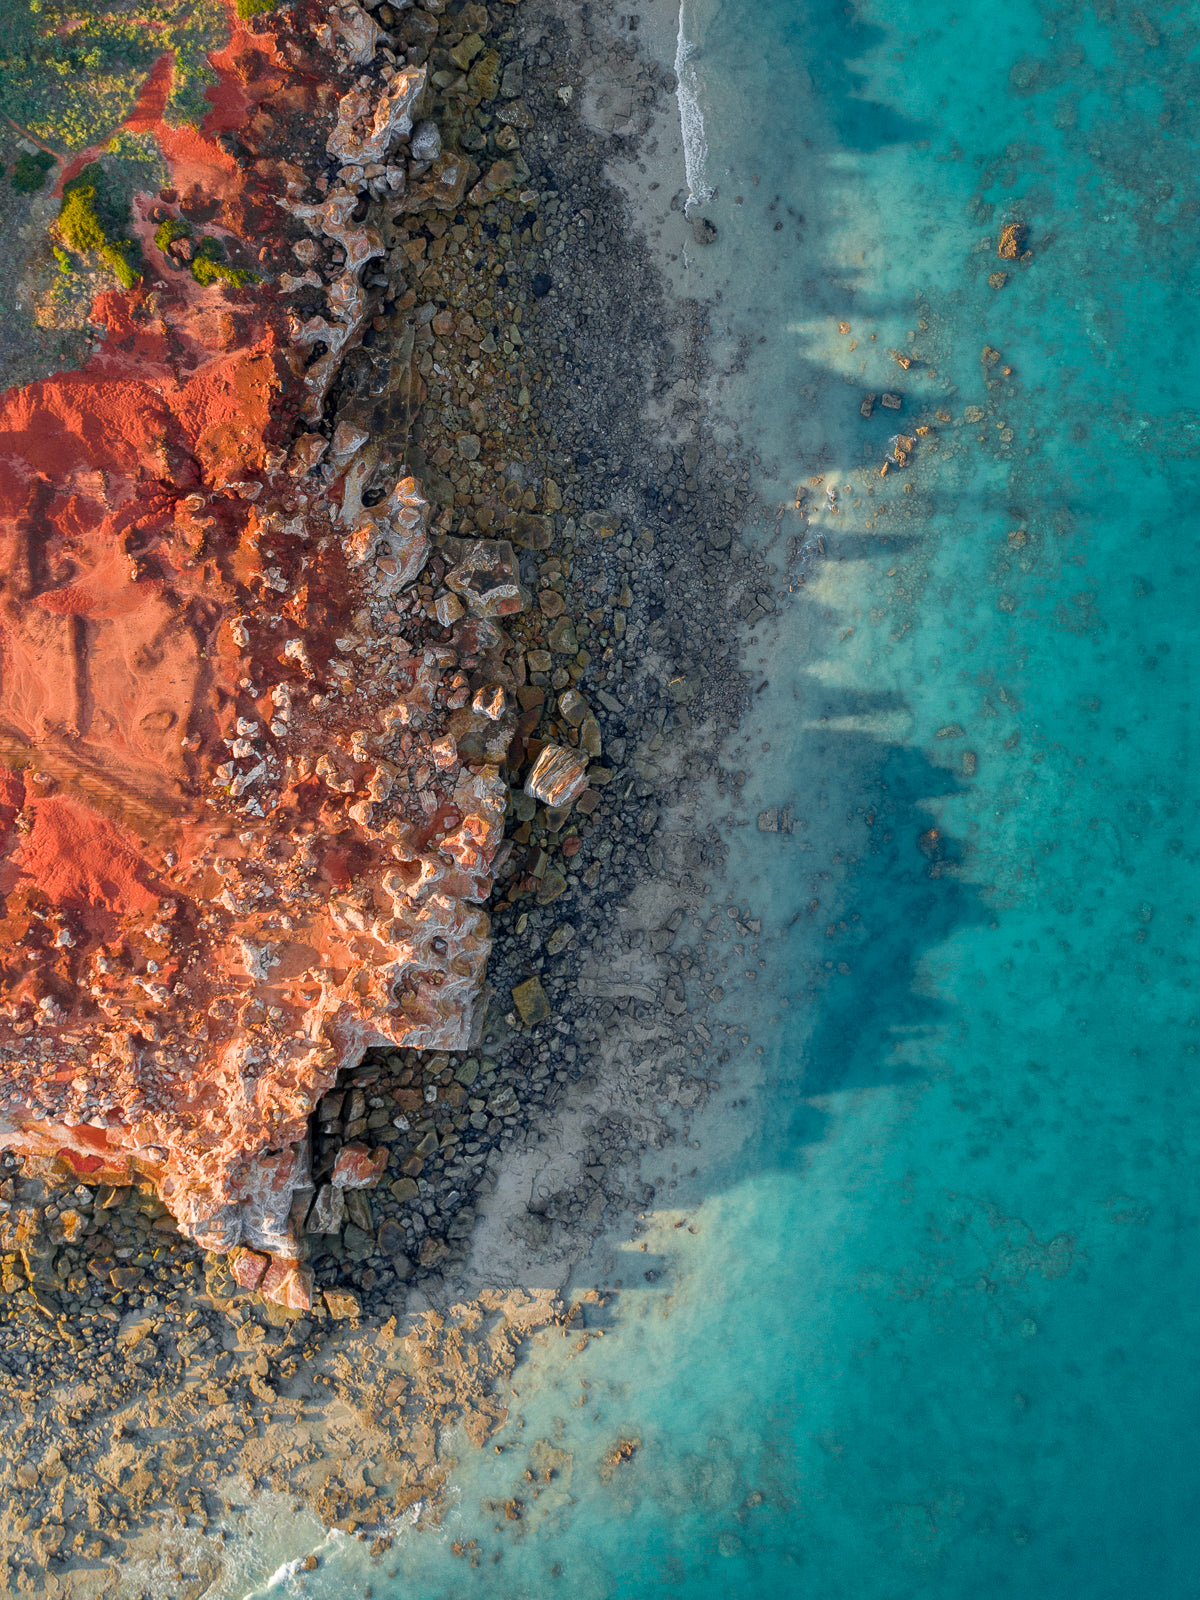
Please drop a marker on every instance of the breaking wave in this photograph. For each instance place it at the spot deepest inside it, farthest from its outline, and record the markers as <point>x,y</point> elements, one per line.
<point>691,118</point>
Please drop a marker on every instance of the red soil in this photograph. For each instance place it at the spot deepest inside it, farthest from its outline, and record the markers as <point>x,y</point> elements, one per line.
<point>159,570</point>
<point>80,861</point>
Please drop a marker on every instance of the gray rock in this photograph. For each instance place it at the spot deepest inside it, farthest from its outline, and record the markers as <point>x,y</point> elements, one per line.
<point>328,1210</point>
<point>426,143</point>
<point>703,231</point>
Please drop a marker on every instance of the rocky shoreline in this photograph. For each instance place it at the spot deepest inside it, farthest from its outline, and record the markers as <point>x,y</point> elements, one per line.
<point>156,1385</point>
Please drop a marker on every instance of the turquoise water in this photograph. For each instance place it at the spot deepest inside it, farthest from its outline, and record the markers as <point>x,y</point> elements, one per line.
<point>935,1331</point>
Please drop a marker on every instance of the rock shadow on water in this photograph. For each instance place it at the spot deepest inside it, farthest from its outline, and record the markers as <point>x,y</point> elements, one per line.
<point>897,899</point>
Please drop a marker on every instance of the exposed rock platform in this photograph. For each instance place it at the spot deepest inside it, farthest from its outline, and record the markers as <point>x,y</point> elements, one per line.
<point>250,792</point>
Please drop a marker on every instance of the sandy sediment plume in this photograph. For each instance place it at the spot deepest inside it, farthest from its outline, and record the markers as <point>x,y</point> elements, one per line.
<point>251,722</point>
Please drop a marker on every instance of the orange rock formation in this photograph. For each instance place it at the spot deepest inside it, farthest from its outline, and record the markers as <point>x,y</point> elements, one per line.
<point>249,796</point>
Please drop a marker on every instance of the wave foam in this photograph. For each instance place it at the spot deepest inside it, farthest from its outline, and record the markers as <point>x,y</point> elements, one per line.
<point>691,118</point>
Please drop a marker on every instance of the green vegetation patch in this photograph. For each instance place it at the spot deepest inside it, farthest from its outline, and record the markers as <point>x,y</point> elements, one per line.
<point>29,174</point>
<point>167,232</point>
<point>92,219</point>
<point>209,266</point>
<point>253,8</point>
<point>71,71</point>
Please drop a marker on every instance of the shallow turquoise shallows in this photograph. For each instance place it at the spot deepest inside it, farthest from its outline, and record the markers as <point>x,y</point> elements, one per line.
<point>936,1333</point>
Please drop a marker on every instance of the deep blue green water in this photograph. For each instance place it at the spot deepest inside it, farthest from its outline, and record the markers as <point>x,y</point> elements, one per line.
<point>936,1331</point>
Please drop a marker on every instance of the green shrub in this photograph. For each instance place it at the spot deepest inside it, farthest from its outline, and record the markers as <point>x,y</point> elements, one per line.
<point>72,70</point>
<point>29,174</point>
<point>89,220</point>
<point>209,266</point>
<point>252,8</point>
<point>116,258</point>
<point>167,232</point>
<point>79,221</point>
<point>65,264</point>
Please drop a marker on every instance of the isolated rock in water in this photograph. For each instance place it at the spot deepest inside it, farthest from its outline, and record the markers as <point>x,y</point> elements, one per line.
<point>1012,240</point>
<point>368,126</point>
<point>558,776</point>
<point>531,1002</point>
<point>703,231</point>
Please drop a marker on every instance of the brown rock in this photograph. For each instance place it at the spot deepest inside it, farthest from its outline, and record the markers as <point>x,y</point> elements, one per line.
<point>1012,240</point>
<point>248,1268</point>
<point>558,777</point>
<point>485,576</point>
<point>563,639</point>
<point>390,1237</point>
<point>464,52</point>
<point>510,172</point>
<point>342,1304</point>
<point>531,1002</point>
<point>572,707</point>
<point>530,532</point>
<point>357,1167</point>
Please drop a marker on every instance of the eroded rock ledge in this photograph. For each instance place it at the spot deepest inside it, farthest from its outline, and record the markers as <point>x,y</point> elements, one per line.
<point>251,796</point>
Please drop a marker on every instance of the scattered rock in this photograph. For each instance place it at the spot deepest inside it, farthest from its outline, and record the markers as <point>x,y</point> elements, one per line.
<point>328,1210</point>
<point>357,1167</point>
<point>558,776</point>
<point>342,1304</point>
<point>531,1002</point>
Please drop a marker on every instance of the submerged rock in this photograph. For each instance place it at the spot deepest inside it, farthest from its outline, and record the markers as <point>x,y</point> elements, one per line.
<point>1012,240</point>
<point>531,1002</point>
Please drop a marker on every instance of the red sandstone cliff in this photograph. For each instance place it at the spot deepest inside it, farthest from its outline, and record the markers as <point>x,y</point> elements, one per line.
<point>249,793</point>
